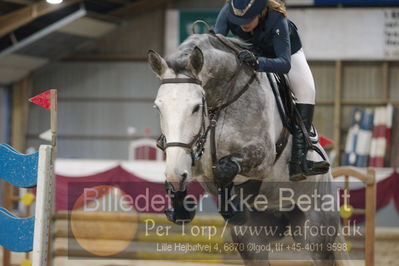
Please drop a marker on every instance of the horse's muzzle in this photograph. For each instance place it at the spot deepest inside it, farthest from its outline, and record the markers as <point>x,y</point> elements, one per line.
<point>180,212</point>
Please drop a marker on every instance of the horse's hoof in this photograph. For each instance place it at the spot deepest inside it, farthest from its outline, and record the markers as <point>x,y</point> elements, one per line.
<point>179,217</point>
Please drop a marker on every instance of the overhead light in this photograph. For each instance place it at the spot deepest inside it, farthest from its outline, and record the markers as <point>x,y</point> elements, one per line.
<point>54,2</point>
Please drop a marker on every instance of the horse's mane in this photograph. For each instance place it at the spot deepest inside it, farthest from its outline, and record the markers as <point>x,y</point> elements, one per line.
<point>238,43</point>
<point>178,60</point>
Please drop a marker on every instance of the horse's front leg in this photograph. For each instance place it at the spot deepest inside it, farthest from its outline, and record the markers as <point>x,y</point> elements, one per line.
<point>183,208</point>
<point>242,162</point>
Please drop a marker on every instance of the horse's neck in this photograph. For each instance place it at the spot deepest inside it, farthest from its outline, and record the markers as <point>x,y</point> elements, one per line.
<point>217,93</point>
<point>221,67</point>
<point>216,74</point>
<point>270,111</point>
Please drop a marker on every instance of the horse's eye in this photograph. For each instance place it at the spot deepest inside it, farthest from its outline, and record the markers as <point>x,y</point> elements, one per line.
<point>196,108</point>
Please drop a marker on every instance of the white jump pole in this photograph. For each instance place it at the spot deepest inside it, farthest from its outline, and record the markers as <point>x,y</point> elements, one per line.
<point>44,206</point>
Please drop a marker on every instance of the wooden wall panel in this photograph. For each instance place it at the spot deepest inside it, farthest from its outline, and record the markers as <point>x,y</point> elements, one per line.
<point>323,120</point>
<point>362,80</point>
<point>324,76</point>
<point>394,81</point>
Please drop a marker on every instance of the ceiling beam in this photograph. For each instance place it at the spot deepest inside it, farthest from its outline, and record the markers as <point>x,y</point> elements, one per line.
<point>12,21</point>
<point>138,7</point>
<point>20,2</point>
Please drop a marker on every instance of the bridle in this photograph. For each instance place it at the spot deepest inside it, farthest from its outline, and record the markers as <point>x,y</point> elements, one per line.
<point>196,146</point>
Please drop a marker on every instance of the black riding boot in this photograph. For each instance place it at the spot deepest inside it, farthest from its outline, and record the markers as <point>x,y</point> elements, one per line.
<point>299,166</point>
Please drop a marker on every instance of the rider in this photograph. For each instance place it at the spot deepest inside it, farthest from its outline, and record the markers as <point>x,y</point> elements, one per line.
<point>276,48</point>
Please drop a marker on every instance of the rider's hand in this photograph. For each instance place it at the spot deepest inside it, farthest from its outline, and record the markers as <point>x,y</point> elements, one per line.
<point>248,58</point>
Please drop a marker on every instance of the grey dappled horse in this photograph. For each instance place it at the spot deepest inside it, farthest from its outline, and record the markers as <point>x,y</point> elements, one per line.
<point>195,77</point>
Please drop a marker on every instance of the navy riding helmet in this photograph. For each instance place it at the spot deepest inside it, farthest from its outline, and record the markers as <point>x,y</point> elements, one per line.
<point>242,12</point>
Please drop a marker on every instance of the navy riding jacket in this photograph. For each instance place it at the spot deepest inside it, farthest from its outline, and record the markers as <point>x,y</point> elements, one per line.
<point>274,40</point>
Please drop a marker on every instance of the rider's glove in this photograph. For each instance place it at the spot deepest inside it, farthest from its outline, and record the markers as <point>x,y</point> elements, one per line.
<point>247,57</point>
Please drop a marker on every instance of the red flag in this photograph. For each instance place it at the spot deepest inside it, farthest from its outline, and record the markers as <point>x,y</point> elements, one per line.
<point>325,142</point>
<point>44,99</point>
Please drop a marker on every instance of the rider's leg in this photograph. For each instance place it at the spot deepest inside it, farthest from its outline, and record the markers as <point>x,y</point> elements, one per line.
<point>302,84</point>
<point>301,80</point>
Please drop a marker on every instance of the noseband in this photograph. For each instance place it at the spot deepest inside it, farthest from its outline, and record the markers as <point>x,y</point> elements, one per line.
<point>182,80</point>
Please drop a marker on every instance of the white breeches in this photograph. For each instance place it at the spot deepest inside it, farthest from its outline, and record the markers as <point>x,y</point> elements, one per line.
<point>300,79</point>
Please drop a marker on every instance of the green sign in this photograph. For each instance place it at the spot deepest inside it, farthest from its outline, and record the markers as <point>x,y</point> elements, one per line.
<point>188,17</point>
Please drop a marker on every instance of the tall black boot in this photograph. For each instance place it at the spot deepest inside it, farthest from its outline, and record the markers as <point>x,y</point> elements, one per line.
<point>299,166</point>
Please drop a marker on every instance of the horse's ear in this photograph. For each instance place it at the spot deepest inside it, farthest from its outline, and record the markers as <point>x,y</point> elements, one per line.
<point>157,63</point>
<point>196,60</point>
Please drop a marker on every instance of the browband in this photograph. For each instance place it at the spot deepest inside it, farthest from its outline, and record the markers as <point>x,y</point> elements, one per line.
<point>182,80</point>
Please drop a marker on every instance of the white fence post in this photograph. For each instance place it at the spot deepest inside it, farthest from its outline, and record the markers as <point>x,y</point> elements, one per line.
<point>44,206</point>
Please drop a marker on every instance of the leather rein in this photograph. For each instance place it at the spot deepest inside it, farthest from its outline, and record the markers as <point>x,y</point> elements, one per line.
<point>197,145</point>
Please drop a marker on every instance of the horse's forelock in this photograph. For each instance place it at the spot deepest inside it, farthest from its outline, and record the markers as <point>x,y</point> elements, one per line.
<point>179,61</point>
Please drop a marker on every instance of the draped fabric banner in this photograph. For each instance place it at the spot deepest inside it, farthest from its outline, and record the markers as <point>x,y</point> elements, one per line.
<point>70,189</point>
<point>387,191</point>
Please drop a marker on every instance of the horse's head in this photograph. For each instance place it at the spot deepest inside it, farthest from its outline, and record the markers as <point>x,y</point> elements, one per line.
<point>181,105</point>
